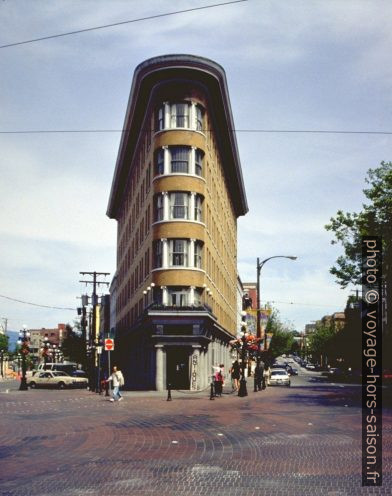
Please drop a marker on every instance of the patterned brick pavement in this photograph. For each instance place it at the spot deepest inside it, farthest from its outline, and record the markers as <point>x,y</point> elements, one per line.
<point>299,441</point>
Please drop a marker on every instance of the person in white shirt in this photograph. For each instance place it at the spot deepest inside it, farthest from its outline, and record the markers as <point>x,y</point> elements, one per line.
<point>118,381</point>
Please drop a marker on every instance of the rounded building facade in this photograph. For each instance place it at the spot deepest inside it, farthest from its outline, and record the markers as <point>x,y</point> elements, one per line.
<point>177,192</point>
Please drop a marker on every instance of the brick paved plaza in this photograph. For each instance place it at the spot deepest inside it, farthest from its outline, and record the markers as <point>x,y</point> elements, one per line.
<point>298,441</point>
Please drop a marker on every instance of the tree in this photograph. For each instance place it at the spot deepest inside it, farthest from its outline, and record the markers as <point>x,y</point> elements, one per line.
<point>374,220</point>
<point>73,346</point>
<point>3,342</point>
<point>320,343</point>
<point>281,342</point>
<point>282,337</point>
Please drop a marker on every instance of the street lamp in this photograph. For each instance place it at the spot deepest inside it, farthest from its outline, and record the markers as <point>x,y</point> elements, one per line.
<point>45,350</point>
<point>3,356</point>
<point>24,338</point>
<point>242,391</point>
<point>259,267</point>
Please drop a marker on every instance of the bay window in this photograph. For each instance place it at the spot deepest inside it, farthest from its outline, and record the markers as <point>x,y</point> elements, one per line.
<point>160,161</point>
<point>198,209</point>
<point>159,210</point>
<point>178,255</point>
<point>179,115</point>
<point>179,159</point>
<point>197,256</point>
<point>178,205</point>
<point>199,162</point>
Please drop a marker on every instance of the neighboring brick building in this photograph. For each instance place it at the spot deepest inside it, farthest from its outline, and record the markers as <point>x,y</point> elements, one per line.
<point>177,192</point>
<point>54,337</point>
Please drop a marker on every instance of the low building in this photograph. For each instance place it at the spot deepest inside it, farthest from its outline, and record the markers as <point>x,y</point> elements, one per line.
<point>54,337</point>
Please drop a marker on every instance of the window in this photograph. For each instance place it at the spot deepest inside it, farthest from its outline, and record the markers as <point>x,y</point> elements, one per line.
<point>197,261</point>
<point>197,298</point>
<point>178,206</point>
<point>157,254</point>
<point>178,297</point>
<point>199,162</point>
<point>198,209</point>
<point>160,119</point>
<point>179,159</point>
<point>159,207</point>
<point>178,252</point>
<point>179,115</point>
<point>199,118</point>
<point>160,161</point>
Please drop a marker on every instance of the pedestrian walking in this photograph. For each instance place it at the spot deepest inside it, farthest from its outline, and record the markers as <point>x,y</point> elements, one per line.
<point>259,375</point>
<point>218,380</point>
<point>118,380</point>
<point>235,374</point>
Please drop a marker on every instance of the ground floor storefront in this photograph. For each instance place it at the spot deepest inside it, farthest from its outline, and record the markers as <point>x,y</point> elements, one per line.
<point>173,347</point>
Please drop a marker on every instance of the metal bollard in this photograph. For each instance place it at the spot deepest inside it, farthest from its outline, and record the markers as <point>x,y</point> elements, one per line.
<point>169,398</point>
<point>212,391</point>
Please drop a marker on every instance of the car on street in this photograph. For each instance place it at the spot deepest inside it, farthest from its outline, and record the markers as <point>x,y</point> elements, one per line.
<point>56,379</point>
<point>292,371</point>
<point>310,366</point>
<point>79,373</point>
<point>278,366</point>
<point>279,377</point>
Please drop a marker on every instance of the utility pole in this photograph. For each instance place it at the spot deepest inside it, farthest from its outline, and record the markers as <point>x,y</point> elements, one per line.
<point>5,320</point>
<point>93,334</point>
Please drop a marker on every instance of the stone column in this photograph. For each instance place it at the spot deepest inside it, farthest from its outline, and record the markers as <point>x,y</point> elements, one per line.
<point>166,160</point>
<point>165,296</point>
<point>160,386</point>
<point>192,161</point>
<point>165,260</point>
<point>192,295</point>
<point>192,116</point>
<point>195,369</point>
<point>191,253</point>
<point>166,206</point>
<point>166,117</point>
<point>192,200</point>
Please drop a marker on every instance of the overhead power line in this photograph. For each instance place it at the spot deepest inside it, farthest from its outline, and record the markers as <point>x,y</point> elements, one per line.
<point>105,26</point>
<point>282,131</point>
<point>36,304</point>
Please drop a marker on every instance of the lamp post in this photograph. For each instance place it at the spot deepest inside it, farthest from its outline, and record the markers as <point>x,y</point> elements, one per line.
<point>24,338</point>
<point>45,350</point>
<point>2,356</point>
<point>242,391</point>
<point>259,267</point>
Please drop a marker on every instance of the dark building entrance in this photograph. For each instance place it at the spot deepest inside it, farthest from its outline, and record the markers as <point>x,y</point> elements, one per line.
<point>177,371</point>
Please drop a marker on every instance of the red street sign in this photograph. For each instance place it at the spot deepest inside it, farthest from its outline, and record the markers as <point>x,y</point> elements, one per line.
<point>109,344</point>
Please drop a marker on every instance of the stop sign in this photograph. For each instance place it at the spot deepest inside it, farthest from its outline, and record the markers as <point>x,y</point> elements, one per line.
<point>109,344</point>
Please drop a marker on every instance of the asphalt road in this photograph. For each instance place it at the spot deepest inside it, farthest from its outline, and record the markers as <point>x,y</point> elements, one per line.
<point>298,441</point>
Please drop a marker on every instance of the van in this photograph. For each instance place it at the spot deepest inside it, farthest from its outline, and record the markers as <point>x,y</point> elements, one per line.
<point>68,368</point>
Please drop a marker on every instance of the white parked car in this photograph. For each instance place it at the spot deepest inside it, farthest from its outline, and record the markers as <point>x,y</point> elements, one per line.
<point>279,377</point>
<point>60,380</point>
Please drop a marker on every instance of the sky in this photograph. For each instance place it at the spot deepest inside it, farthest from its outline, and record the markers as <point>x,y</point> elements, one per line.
<point>290,65</point>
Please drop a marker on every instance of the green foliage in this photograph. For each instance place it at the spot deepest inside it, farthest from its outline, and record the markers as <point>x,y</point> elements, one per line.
<point>281,342</point>
<point>74,347</point>
<point>3,342</point>
<point>320,342</point>
<point>375,219</point>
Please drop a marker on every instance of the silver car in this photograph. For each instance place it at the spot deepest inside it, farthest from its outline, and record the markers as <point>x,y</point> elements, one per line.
<point>279,377</point>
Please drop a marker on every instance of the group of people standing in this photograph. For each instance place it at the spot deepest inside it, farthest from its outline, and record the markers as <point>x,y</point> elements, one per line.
<point>258,369</point>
